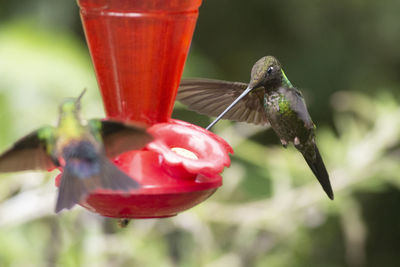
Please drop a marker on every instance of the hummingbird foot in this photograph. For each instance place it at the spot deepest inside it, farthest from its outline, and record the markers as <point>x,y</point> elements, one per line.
<point>284,143</point>
<point>296,141</point>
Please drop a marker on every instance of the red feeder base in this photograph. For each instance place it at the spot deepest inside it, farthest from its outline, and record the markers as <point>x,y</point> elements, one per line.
<point>170,182</point>
<point>145,206</point>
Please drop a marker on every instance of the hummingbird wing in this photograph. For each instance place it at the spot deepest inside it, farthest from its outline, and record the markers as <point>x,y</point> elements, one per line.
<point>212,97</point>
<point>119,137</point>
<point>29,153</point>
<point>298,104</point>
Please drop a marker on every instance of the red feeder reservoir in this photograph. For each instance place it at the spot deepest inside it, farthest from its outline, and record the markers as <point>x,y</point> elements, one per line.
<point>138,49</point>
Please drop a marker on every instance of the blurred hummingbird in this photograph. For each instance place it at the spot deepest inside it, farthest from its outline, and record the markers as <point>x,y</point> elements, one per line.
<point>269,98</point>
<point>81,150</point>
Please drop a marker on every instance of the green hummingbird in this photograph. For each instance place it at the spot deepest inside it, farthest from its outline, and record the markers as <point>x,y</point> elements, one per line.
<point>269,99</point>
<point>82,150</point>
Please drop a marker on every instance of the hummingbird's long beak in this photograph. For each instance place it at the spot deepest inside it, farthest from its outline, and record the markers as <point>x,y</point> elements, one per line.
<point>78,99</point>
<point>248,89</point>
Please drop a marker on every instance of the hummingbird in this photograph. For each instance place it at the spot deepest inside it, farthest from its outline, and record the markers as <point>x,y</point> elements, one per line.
<point>268,99</point>
<point>81,149</point>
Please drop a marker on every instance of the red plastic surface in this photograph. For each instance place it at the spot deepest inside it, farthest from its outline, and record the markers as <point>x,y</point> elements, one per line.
<point>138,49</point>
<point>170,182</point>
<point>144,206</point>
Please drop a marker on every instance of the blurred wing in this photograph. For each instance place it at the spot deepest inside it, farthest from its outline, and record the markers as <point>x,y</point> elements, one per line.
<point>298,104</point>
<point>119,137</point>
<point>74,189</point>
<point>212,97</point>
<point>28,153</point>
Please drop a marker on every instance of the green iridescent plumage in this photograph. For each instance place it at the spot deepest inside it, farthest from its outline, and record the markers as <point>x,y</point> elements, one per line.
<point>81,150</point>
<point>269,98</point>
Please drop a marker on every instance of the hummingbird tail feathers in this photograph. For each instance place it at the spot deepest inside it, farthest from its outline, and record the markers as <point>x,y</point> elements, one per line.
<point>113,178</point>
<point>318,168</point>
<point>74,189</point>
<point>71,190</point>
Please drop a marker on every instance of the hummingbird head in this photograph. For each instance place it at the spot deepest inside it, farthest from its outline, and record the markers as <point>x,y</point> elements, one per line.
<point>69,106</point>
<point>266,72</point>
<point>72,105</point>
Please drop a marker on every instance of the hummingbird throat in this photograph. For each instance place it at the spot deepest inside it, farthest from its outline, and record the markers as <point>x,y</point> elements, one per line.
<point>70,125</point>
<point>285,80</point>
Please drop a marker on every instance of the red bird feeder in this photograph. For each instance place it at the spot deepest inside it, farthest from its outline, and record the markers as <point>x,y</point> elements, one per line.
<point>138,50</point>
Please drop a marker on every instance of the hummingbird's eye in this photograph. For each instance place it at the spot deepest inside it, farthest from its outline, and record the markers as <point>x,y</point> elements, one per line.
<point>270,70</point>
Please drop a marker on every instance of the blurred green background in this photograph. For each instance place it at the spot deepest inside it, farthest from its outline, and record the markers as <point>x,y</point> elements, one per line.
<point>344,55</point>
